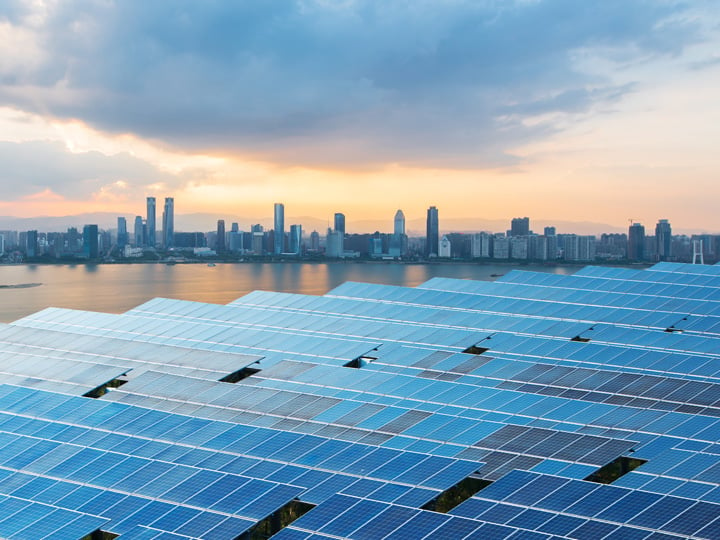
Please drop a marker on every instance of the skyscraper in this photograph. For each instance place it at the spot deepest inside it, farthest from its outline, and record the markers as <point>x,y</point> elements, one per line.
<point>279,233</point>
<point>340,223</point>
<point>295,243</point>
<point>636,242</point>
<point>432,237</point>
<point>169,223</point>
<point>150,221</point>
<point>220,240</point>
<point>663,240</point>
<point>122,234</point>
<point>398,241</point>
<point>399,223</point>
<point>90,241</point>
<point>520,226</point>
<point>138,231</point>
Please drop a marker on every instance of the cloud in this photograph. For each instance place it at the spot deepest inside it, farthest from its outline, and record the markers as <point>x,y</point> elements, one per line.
<point>311,82</point>
<point>36,167</point>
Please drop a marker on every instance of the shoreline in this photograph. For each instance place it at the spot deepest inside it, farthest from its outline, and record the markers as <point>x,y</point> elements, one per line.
<point>484,262</point>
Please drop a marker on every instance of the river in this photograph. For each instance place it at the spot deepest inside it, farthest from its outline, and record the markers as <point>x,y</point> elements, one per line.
<point>117,288</point>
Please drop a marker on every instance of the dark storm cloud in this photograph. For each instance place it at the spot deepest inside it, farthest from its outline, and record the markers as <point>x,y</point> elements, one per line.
<point>356,82</point>
<point>33,167</point>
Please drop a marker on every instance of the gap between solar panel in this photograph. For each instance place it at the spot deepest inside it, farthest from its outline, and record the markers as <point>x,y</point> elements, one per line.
<point>101,390</point>
<point>100,535</point>
<point>460,492</point>
<point>240,374</point>
<point>278,520</point>
<point>607,474</point>
<point>362,360</point>
<point>474,349</point>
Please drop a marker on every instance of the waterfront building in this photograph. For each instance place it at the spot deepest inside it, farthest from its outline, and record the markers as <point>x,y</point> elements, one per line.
<point>500,246</point>
<point>445,247</point>
<point>340,222</point>
<point>398,240</point>
<point>663,240</point>
<point>315,241</point>
<point>279,228</point>
<point>636,242</point>
<point>138,230</point>
<point>32,247</point>
<point>334,244</point>
<point>190,240</point>
<point>432,236</point>
<point>480,245</point>
<point>122,234</point>
<point>220,236</point>
<point>90,241</point>
<point>150,222</point>
<point>518,247</point>
<point>169,223</point>
<point>520,226</point>
<point>295,240</point>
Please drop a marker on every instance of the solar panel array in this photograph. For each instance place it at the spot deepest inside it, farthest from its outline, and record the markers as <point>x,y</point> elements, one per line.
<point>535,406</point>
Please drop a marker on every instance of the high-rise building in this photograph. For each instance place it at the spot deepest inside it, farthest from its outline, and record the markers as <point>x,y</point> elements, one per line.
<point>150,221</point>
<point>138,231</point>
<point>122,234</point>
<point>334,244</point>
<point>432,237</point>
<point>279,230</point>
<point>399,223</point>
<point>2,244</point>
<point>31,244</point>
<point>398,240</point>
<point>295,243</point>
<point>315,241</point>
<point>220,238</point>
<point>663,240</point>
<point>480,245</point>
<point>520,226</point>
<point>340,222</point>
<point>169,223</point>
<point>550,231</point>
<point>636,242</point>
<point>90,241</point>
<point>234,227</point>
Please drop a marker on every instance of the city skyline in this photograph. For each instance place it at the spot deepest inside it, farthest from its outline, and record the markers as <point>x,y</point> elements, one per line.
<point>592,111</point>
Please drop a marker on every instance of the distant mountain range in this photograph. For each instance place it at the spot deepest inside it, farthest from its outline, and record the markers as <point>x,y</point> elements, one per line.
<point>208,222</point>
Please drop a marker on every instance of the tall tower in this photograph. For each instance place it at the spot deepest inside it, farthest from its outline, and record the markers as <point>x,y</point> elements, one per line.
<point>150,222</point>
<point>90,241</point>
<point>295,243</point>
<point>340,223</point>
<point>122,234</point>
<point>399,223</point>
<point>663,240</point>
<point>138,230</point>
<point>220,240</point>
<point>636,242</point>
<point>279,228</point>
<point>169,223</point>
<point>432,238</point>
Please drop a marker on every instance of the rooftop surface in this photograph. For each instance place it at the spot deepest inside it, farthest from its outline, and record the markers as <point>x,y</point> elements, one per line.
<point>536,406</point>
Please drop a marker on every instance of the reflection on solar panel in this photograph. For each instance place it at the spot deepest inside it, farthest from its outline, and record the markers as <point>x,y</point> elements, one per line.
<point>537,406</point>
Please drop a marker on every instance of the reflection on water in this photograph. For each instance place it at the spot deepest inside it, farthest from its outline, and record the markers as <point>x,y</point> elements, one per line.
<point>117,288</point>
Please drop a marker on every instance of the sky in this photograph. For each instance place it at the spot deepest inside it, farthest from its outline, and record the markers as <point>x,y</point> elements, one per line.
<point>576,110</point>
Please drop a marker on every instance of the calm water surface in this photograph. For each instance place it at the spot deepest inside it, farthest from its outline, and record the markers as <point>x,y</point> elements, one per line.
<point>117,288</point>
